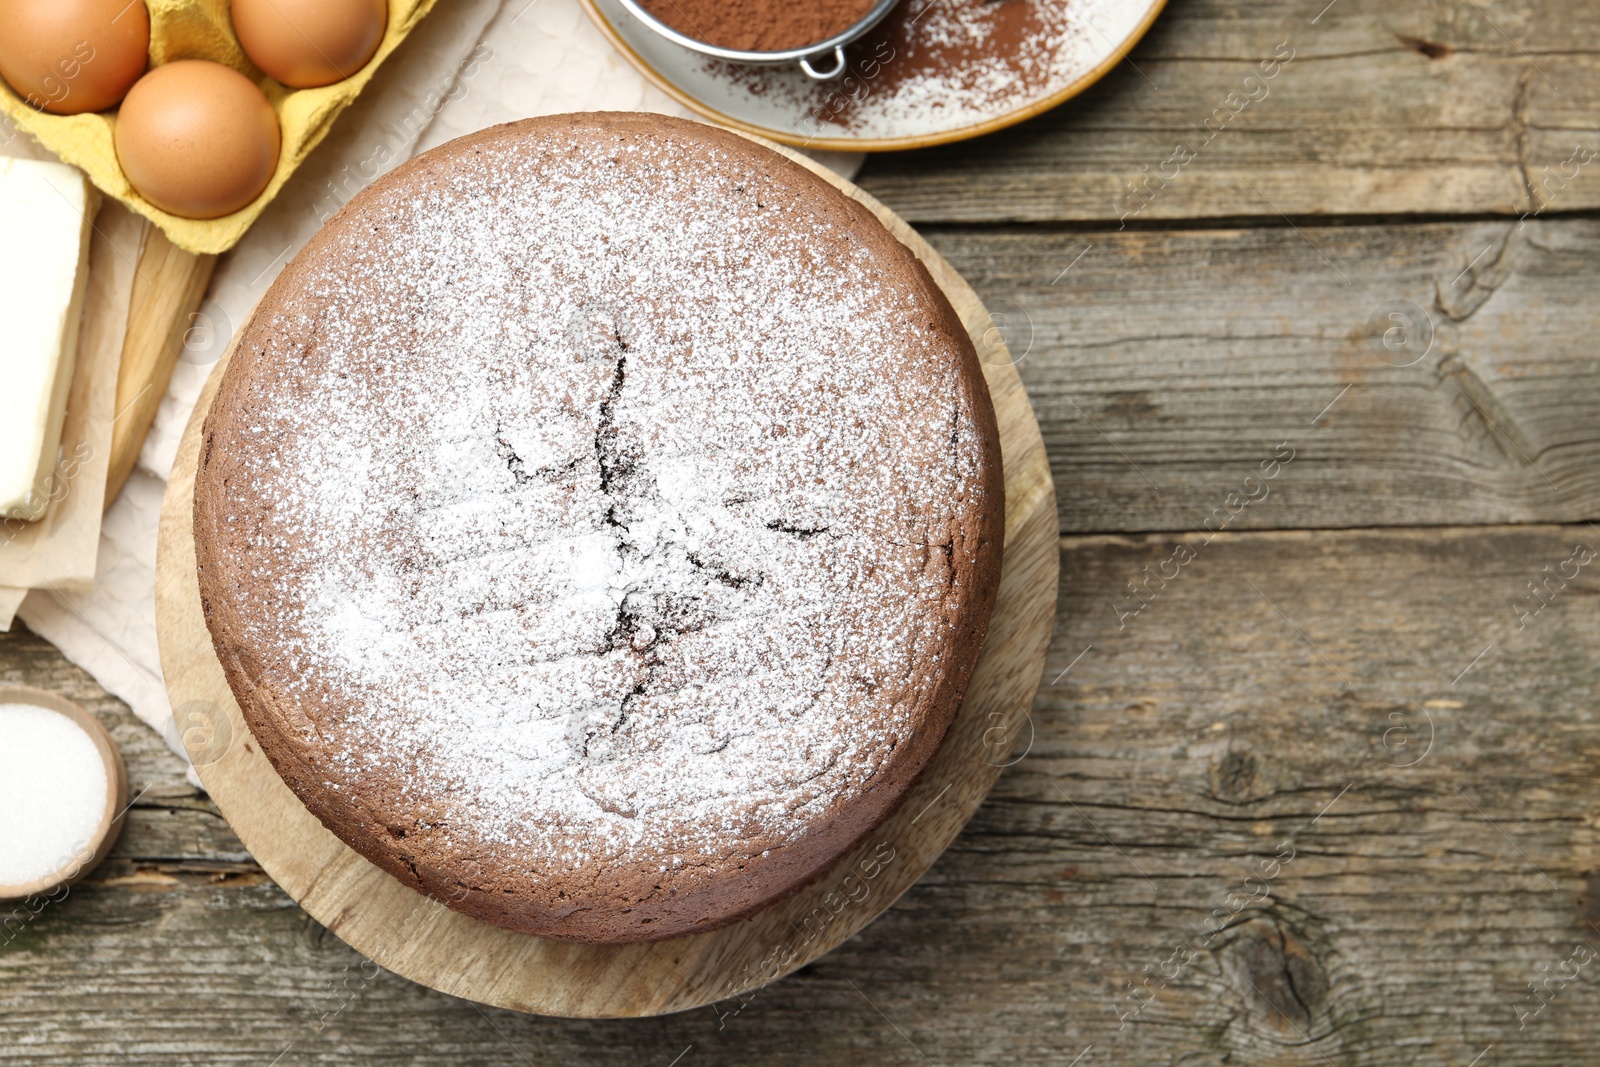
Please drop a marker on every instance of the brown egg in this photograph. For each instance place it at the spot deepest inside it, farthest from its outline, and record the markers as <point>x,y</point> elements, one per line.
<point>197,139</point>
<point>307,43</point>
<point>72,56</point>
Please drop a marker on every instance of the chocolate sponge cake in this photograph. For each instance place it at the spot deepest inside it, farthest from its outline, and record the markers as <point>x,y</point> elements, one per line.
<point>598,524</point>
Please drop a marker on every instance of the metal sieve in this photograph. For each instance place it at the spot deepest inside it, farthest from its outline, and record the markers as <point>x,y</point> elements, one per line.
<point>834,46</point>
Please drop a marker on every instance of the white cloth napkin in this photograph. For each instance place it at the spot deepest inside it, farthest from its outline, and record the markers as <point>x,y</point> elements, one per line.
<point>470,64</point>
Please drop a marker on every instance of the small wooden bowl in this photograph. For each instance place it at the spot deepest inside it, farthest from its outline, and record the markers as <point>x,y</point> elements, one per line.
<point>110,827</point>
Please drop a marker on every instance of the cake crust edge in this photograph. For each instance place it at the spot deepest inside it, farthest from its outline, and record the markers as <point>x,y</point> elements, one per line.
<point>732,893</point>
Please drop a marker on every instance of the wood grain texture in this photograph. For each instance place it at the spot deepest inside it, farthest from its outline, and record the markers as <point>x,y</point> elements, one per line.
<point>1420,905</point>
<point>168,285</point>
<point>1167,366</point>
<point>1385,109</point>
<point>421,938</point>
<point>1174,757</point>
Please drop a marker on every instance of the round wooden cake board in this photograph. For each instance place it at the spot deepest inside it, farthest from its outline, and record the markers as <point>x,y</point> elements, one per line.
<point>421,939</point>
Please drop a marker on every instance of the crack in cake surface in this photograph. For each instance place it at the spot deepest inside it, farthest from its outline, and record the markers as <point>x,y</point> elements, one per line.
<point>666,583</point>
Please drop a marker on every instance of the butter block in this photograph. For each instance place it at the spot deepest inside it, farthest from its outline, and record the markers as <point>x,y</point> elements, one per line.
<point>46,216</point>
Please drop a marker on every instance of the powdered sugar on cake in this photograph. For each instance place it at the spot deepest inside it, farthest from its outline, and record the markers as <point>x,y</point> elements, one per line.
<point>607,516</point>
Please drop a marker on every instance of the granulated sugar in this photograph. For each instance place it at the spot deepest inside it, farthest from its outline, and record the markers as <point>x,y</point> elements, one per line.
<point>52,792</point>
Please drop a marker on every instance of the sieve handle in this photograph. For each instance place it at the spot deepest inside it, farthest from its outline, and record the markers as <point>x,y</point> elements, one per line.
<point>824,75</point>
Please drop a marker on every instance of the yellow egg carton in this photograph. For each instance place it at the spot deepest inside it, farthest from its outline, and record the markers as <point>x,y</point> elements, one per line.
<point>203,29</point>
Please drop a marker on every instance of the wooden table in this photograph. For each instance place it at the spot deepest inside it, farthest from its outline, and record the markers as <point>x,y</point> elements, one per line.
<point>1315,787</point>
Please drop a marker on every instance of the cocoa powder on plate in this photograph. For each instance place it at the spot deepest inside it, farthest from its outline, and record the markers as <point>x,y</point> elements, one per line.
<point>759,25</point>
<point>933,57</point>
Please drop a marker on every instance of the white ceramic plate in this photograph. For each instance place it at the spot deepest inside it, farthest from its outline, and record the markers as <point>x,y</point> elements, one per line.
<point>934,71</point>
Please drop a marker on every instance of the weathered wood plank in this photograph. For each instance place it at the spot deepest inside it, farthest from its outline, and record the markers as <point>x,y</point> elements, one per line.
<point>1193,741</point>
<point>1383,109</point>
<point>1167,367</point>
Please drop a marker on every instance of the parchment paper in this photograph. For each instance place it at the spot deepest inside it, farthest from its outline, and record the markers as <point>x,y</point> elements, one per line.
<point>58,550</point>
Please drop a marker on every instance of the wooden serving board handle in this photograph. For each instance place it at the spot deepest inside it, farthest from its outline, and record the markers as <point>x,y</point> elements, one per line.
<point>168,286</point>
